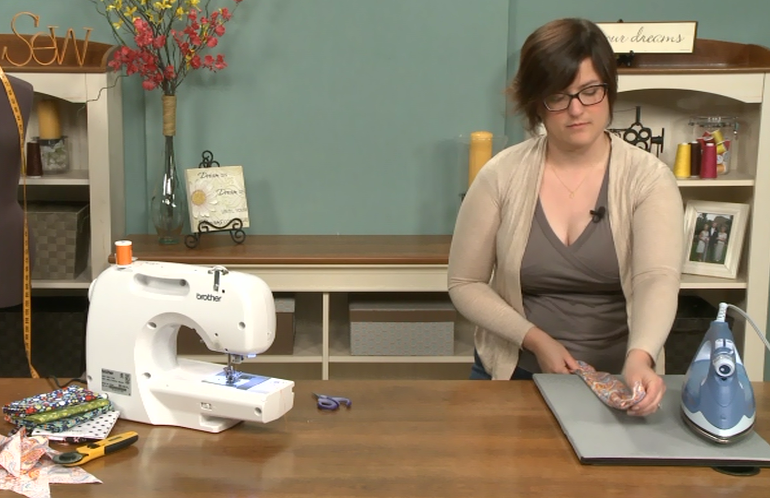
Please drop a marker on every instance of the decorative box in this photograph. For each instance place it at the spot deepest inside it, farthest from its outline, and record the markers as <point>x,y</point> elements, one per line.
<point>61,236</point>
<point>402,328</point>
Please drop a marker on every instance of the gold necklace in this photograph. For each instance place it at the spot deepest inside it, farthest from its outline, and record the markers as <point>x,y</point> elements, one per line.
<point>571,191</point>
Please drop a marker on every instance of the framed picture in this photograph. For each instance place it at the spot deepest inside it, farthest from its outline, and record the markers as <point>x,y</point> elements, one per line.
<point>216,196</point>
<point>714,233</point>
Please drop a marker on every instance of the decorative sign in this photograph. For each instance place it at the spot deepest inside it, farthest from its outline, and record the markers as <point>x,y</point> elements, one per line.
<point>216,196</point>
<point>651,37</point>
<point>45,51</point>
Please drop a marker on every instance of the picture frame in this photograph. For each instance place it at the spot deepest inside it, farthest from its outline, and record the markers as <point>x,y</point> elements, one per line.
<point>714,236</point>
<point>216,197</point>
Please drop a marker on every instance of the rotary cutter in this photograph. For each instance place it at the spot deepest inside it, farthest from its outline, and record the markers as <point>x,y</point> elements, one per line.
<point>91,451</point>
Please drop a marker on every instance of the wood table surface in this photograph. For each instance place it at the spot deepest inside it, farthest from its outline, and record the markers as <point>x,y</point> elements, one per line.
<point>218,248</point>
<point>399,439</point>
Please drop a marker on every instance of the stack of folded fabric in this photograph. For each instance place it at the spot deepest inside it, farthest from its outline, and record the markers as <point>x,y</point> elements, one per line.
<point>58,410</point>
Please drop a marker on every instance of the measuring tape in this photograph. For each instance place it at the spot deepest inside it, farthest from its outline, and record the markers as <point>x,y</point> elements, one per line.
<point>27,278</point>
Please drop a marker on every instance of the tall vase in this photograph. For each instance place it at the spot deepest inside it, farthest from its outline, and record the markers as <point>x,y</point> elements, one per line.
<point>168,204</point>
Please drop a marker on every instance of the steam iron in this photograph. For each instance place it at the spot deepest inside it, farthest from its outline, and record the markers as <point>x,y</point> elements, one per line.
<point>717,397</point>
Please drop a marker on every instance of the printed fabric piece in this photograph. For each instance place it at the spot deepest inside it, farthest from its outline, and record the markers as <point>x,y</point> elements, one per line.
<point>46,402</point>
<point>67,411</point>
<point>65,424</point>
<point>609,389</point>
<point>27,467</point>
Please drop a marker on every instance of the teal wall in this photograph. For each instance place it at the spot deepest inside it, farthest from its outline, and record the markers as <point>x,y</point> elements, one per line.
<point>343,113</point>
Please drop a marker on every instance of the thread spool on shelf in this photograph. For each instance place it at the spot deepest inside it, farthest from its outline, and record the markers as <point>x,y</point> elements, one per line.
<point>722,132</point>
<point>34,162</point>
<point>682,162</point>
<point>708,168</point>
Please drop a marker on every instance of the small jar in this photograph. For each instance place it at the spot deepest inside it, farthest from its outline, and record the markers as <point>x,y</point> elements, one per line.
<point>54,155</point>
<point>722,131</point>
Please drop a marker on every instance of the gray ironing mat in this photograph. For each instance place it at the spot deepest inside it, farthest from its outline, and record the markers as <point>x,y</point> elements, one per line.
<point>602,435</point>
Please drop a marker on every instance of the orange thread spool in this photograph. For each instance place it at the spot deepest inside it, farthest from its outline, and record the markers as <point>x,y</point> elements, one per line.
<point>123,255</point>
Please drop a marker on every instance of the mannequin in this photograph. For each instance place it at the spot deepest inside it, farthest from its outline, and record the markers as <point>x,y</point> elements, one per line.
<point>11,213</point>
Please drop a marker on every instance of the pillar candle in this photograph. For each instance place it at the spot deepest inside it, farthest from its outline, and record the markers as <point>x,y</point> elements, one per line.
<point>480,152</point>
<point>49,127</point>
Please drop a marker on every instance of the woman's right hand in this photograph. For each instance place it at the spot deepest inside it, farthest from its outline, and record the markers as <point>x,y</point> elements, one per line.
<point>551,355</point>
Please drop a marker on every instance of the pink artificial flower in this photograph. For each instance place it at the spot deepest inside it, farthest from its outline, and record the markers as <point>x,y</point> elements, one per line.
<point>212,42</point>
<point>219,30</point>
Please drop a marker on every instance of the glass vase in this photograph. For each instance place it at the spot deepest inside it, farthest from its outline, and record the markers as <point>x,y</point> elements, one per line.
<point>168,205</point>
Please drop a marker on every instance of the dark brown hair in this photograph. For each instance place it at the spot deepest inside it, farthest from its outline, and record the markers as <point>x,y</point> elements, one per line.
<point>549,62</point>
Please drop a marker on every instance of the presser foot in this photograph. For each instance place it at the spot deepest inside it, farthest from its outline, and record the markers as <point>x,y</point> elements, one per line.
<point>231,374</point>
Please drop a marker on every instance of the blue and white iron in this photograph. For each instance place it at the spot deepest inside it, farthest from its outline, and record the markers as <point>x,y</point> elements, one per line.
<point>717,397</point>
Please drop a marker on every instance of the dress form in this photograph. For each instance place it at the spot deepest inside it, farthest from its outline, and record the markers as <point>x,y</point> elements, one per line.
<point>11,212</point>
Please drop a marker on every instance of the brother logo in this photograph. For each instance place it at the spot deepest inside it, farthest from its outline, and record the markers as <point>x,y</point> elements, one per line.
<point>207,297</point>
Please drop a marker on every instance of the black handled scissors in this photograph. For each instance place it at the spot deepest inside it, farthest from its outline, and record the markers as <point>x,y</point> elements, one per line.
<point>331,402</point>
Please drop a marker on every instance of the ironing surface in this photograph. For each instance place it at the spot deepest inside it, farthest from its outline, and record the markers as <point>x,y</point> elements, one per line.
<point>603,435</point>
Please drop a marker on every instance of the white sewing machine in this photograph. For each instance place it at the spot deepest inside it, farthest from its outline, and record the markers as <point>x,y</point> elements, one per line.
<point>133,319</point>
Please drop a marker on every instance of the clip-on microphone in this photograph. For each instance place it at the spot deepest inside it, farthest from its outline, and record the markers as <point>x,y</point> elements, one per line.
<point>598,214</point>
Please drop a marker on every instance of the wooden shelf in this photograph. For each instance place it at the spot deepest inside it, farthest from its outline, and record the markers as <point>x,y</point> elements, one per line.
<point>72,177</point>
<point>81,282</point>
<point>731,179</point>
<point>704,283</point>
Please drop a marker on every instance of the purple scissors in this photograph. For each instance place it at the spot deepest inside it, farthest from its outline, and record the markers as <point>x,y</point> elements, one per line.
<point>331,402</point>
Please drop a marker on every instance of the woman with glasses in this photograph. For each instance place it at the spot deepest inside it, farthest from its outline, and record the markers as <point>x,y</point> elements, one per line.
<point>568,246</point>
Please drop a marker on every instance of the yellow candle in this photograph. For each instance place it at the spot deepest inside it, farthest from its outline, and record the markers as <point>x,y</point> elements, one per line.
<point>48,124</point>
<point>480,152</point>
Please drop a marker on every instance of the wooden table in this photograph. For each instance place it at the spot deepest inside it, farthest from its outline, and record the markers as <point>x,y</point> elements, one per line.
<point>399,439</point>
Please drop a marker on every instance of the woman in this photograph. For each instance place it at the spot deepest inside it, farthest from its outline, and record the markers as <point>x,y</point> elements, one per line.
<point>568,246</point>
<point>703,240</point>
<point>719,250</point>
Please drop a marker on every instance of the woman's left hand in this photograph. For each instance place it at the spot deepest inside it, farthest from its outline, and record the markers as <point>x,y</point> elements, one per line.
<point>638,368</point>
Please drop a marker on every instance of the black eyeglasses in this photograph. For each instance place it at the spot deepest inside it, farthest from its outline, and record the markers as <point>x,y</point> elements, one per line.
<point>590,95</point>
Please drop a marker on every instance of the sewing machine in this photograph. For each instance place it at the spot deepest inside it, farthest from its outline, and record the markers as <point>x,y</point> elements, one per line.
<point>134,315</point>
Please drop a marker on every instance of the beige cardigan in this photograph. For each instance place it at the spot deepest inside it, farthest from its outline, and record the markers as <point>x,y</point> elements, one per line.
<point>646,217</point>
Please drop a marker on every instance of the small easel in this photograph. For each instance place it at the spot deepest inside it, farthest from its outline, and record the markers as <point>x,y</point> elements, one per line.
<point>234,226</point>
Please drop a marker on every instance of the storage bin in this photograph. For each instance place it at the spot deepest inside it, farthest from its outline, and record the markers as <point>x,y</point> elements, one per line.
<point>58,338</point>
<point>401,328</point>
<point>61,235</point>
<point>190,343</point>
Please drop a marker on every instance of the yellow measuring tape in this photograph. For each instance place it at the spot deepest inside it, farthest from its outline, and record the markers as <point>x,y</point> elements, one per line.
<point>27,277</point>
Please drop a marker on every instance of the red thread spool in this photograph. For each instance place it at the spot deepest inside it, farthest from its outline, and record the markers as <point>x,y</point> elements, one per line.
<point>123,253</point>
<point>708,167</point>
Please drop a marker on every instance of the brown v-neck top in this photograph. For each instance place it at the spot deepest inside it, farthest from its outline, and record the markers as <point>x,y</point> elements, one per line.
<point>574,292</point>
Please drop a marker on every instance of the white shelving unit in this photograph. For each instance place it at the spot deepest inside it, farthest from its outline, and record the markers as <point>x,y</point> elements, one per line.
<point>670,89</point>
<point>91,113</point>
